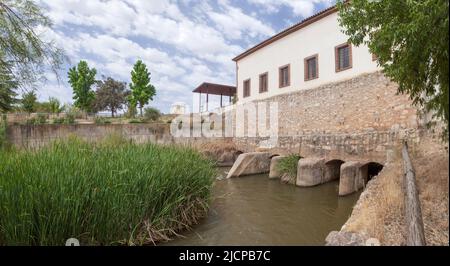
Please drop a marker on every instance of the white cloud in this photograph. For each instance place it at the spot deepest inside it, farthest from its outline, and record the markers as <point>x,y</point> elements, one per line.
<point>233,22</point>
<point>304,8</point>
<point>181,49</point>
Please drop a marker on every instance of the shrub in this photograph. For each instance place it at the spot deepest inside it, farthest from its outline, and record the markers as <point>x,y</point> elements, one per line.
<point>74,112</point>
<point>135,121</point>
<point>101,194</point>
<point>41,119</point>
<point>151,114</point>
<point>31,121</point>
<point>58,120</point>
<point>101,121</point>
<point>288,166</point>
<point>69,119</point>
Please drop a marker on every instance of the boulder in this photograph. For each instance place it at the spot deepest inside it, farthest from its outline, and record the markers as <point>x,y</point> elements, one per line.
<point>250,164</point>
<point>274,173</point>
<point>310,172</point>
<point>227,158</point>
<point>344,238</point>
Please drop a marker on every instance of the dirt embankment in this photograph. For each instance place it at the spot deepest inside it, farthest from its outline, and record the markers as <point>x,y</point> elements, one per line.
<point>380,211</point>
<point>223,152</point>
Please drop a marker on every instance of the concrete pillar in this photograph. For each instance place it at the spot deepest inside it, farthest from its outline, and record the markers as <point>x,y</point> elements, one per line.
<point>353,177</point>
<point>251,163</point>
<point>310,172</point>
<point>274,173</point>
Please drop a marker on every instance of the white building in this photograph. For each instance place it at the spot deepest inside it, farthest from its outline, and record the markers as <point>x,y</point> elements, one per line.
<point>309,54</point>
<point>178,108</point>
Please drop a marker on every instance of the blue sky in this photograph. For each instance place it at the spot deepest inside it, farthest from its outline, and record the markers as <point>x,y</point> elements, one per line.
<point>183,43</point>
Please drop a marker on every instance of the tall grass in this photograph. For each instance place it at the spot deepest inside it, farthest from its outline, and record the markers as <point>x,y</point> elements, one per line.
<point>3,125</point>
<point>113,192</point>
<point>288,167</point>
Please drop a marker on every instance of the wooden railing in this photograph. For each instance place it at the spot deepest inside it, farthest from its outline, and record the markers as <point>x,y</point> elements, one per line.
<point>414,222</point>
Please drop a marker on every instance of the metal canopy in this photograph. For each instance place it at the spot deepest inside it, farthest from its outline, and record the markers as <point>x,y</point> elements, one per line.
<point>216,89</point>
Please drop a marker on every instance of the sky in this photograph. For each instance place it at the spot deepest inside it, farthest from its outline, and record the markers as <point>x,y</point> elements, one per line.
<point>183,43</point>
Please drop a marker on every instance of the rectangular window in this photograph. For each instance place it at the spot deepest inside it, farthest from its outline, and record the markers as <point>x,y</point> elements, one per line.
<point>343,55</point>
<point>247,88</point>
<point>285,76</point>
<point>263,82</point>
<point>311,67</point>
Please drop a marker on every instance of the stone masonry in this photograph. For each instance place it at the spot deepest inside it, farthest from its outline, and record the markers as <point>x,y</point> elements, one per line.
<point>362,116</point>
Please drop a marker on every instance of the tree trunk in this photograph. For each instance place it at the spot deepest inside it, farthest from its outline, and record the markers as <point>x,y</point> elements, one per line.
<point>414,222</point>
<point>140,107</point>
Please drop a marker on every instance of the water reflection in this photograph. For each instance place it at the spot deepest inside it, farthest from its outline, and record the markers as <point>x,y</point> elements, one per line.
<point>254,210</point>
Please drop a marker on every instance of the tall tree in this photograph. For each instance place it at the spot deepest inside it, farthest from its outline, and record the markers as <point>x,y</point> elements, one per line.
<point>81,79</point>
<point>141,90</point>
<point>7,90</point>
<point>410,40</point>
<point>110,95</point>
<point>23,53</point>
<point>55,106</point>
<point>29,101</point>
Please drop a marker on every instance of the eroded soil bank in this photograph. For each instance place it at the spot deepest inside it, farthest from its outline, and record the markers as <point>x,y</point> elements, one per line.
<point>379,212</point>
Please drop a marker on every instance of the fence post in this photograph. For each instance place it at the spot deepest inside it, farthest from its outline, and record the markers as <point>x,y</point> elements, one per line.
<point>414,222</point>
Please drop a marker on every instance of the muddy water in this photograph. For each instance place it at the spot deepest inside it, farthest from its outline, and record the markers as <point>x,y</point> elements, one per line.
<point>254,210</point>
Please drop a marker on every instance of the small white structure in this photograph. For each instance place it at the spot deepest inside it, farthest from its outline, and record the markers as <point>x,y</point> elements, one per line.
<point>178,108</point>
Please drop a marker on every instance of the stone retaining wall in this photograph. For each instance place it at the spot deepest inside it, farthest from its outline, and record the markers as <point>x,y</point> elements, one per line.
<point>359,117</point>
<point>32,136</point>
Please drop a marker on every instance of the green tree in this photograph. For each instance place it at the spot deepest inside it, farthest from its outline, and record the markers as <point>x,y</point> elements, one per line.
<point>110,95</point>
<point>7,91</point>
<point>24,55</point>
<point>29,101</point>
<point>131,108</point>
<point>411,41</point>
<point>55,105</point>
<point>152,114</point>
<point>141,90</point>
<point>81,79</point>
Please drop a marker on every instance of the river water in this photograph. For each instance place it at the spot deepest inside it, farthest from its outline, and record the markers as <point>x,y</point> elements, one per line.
<point>254,210</point>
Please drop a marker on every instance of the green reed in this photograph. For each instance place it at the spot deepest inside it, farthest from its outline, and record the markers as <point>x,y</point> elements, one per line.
<point>108,193</point>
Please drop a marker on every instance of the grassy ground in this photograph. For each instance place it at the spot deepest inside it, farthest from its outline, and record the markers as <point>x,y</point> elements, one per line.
<point>380,211</point>
<point>113,192</point>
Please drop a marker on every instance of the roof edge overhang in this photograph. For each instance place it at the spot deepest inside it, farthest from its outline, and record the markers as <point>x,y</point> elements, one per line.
<point>322,14</point>
<point>213,88</point>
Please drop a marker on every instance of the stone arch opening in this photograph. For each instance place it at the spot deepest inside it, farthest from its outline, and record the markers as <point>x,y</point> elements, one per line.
<point>373,169</point>
<point>274,155</point>
<point>333,170</point>
<point>238,152</point>
<point>369,170</point>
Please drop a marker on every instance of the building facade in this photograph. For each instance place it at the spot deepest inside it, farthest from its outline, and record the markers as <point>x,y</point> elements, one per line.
<point>312,53</point>
<point>332,97</point>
